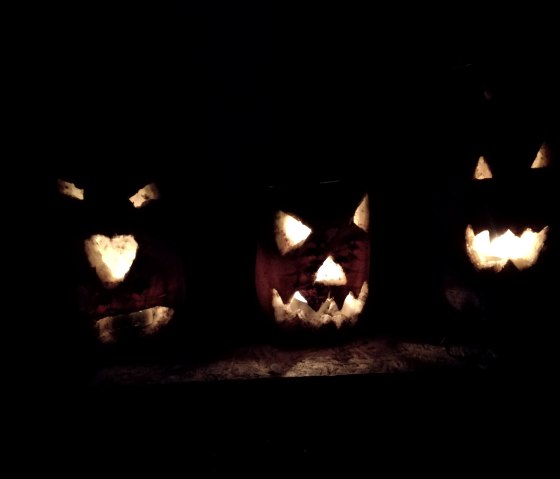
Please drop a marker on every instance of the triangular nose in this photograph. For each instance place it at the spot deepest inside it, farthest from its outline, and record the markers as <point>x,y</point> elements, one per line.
<point>111,257</point>
<point>330,273</point>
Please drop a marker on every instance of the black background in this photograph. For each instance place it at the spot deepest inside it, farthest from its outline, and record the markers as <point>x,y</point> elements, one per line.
<point>231,98</point>
<point>218,101</point>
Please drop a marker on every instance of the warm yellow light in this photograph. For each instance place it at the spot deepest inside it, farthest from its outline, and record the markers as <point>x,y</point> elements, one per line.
<point>542,160</point>
<point>482,170</point>
<point>111,257</point>
<point>70,189</point>
<point>361,216</point>
<point>290,232</point>
<point>330,273</point>
<point>298,309</point>
<point>523,251</point>
<point>144,195</point>
<point>299,297</point>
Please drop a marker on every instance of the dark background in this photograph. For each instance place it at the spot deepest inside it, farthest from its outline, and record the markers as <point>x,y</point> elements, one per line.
<point>219,101</point>
<point>231,98</point>
<point>237,93</point>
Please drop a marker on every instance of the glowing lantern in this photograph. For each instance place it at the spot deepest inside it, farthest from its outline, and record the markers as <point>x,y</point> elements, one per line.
<point>129,276</point>
<point>523,251</point>
<point>312,264</point>
<point>507,240</point>
<point>489,248</point>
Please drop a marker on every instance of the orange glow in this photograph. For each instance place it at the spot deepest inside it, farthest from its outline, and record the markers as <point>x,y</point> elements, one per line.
<point>542,160</point>
<point>298,309</point>
<point>482,170</point>
<point>145,195</point>
<point>70,189</point>
<point>523,251</point>
<point>361,216</point>
<point>290,233</point>
<point>111,257</point>
<point>330,273</point>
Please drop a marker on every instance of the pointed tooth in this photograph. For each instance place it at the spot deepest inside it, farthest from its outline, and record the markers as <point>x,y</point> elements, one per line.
<point>281,312</point>
<point>325,306</point>
<point>352,306</point>
<point>298,306</point>
<point>295,305</point>
<point>333,308</point>
<point>276,299</point>
<point>305,311</point>
<point>364,292</point>
<point>297,295</point>
<point>338,319</point>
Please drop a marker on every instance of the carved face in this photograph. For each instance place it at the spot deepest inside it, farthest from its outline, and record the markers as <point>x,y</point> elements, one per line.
<point>312,264</point>
<point>129,275</point>
<point>510,230</point>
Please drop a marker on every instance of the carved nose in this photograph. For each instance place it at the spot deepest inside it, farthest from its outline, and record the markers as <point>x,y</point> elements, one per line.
<point>330,273</point>
<point>112,258</point>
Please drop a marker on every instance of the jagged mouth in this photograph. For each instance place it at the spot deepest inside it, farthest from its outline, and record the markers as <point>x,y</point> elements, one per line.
<point>522,250</point>
<point>298,309</point>
<point>139,323</point>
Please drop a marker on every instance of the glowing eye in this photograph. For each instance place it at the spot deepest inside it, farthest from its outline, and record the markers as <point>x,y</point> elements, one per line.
<point>290,232</point>
<point>144,195</point>
<point>70,189</point>
<point>542,160</point>
<point>482,170</point>
<point>361,216</point>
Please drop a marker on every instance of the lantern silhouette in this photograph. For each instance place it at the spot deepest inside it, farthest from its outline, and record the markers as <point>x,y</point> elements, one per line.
<point>123,264</point>
<point>515,232</point>
<point>507,234</point>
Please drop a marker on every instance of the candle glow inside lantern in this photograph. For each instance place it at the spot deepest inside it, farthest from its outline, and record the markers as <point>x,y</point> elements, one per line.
<point>129,281</point>
<point>493,250</point>
<point>312,263</point>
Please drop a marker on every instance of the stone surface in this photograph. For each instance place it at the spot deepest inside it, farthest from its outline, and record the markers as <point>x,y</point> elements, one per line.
<point>359,356</point>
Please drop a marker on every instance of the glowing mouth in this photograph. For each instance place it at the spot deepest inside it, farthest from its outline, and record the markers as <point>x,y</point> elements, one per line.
<point>145,322</point>
<point>523,251</point>
<point>298,309</point>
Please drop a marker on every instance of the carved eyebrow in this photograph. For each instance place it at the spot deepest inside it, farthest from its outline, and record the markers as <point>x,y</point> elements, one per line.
<point>482,170</point>
<point>145,195</point>
<point>542,159</point>
<point>70,189</point>
<point>361,215</point>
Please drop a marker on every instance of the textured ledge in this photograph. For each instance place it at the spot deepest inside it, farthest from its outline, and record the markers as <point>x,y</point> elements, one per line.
<point>362,356</point>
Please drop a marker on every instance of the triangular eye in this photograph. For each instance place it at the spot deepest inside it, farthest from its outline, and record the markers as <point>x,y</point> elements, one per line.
<point>482,170</point>
<point>290,233</point>
<point>70,189</point>
<point>361,216</point>
<point>542,160</point>
<point>145,195</point>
